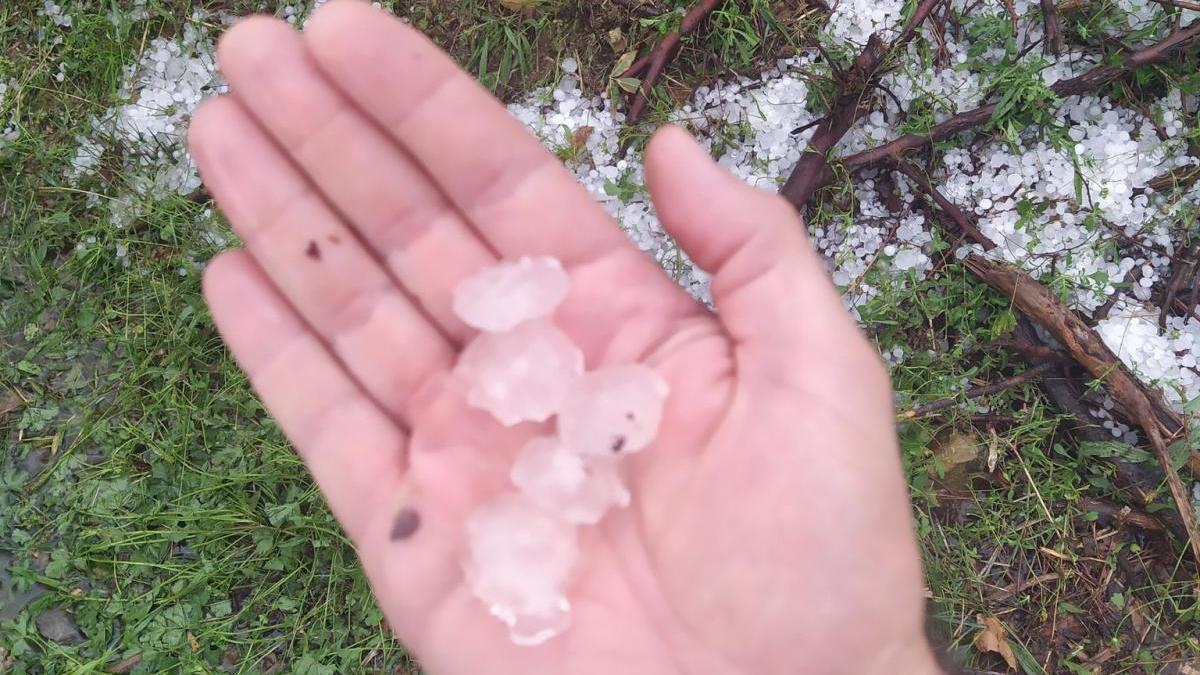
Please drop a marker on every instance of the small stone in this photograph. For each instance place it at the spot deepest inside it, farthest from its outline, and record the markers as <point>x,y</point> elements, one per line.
<point>506,295</point>
<point>613,410</point>
<point>521,375</point>
<point>57,626</point>
<point>577,488</point>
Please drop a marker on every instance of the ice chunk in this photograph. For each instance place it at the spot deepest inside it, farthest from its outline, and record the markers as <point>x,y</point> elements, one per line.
<point>521,375</point>
<point>615,409</point>
<point>519,563</point>
<point>510,293</point>
<point>579,489</point>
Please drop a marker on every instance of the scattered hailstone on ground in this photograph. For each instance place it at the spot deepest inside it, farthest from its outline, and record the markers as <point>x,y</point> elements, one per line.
<point>521,375</point>
<point>579,489</point>
<point>146,132</point>
<point>510,293</point>
<point>9,131</point>
<point>1166,359</point>
<point>519,561</point>
<point>613,410</point>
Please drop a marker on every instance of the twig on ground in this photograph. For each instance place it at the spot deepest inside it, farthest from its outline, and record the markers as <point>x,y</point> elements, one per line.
<point>1054,40</point>
<point>830,129</point>
<point>986,390</point>
<point>1180,177</point>
<point>1181,4</point>
<point>651,66</point>
<point>1022,586</point>
<point>1030,350</point>
<point>969,119</point>
<point>1145,408</point>
<point>1012,15</point>
<point>1185,269</point>
<point>856,83</point>
<point>1122,513</point>
<point>965,225</point>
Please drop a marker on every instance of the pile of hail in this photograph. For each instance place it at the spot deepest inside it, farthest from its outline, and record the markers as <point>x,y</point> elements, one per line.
<point>522,545</point>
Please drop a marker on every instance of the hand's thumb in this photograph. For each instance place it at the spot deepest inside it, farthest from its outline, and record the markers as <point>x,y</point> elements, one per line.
<point>770,287</point>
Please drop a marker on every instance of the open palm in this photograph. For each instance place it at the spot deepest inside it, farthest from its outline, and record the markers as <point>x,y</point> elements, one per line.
<point>367,175</point>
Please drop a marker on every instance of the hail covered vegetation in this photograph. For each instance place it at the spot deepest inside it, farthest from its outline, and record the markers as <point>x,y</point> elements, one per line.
<point>1067,196</point>
<point>1062,185</point>
<point>8,125</point>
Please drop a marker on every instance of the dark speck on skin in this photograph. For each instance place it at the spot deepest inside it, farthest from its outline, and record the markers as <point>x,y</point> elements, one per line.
<point>313,251</point>
<point>618,444</point>
<point>408,521</point>
<point>334,239</point>
<point>629,416</point>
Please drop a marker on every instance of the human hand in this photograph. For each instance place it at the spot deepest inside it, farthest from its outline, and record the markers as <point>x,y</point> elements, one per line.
<point>770,530</point>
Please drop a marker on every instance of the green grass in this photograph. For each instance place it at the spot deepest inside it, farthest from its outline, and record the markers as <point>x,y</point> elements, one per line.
<point>176,526</point>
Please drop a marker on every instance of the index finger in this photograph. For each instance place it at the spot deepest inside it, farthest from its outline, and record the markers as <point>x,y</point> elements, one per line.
<point>517,195</point>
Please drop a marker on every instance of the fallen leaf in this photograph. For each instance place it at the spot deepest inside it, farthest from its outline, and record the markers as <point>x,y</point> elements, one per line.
<point>124,665</point>
<point>618,41</point>
<point>955,449</point>
<point>623,64</point>
<point>958,456</point>
<point>1137,618</point>
<point>193,642</point>
<point>524,6</point>
<point>993,638</point>
<point>1103,656</point>
<point>10,403</point>
<point>629,85</point>
<point>581,136</point>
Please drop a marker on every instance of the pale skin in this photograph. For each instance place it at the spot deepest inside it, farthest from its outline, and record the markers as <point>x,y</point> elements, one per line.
<point>770,530</point>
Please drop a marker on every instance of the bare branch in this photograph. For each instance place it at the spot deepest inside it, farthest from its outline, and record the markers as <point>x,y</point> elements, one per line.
<point>651,66</point>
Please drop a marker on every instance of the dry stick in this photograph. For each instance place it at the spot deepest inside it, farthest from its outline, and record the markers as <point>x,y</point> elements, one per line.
<point>1012,15</point>
<point>1054,39</point>
<point>986,390</point>
<point>1040,304</point>
<point>1089,81</point>
<point>1043,306</point>
<point>857,82</point>
<point>1185,270</point>
<point>1122,513</point>
<point>654,62</point>
<point>964,224</point>
<point>1179,177</point>
<point>830,129</point>
<point>1181,4</point>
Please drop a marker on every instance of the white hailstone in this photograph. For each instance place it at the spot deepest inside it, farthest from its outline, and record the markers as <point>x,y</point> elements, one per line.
<point>510,293</point>
<point>521,375</point>
<point>1159,358</point>
<point>519,562</point>
<point>579,489</point>
<point>613,410</point>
